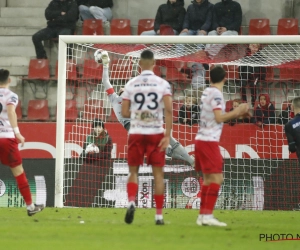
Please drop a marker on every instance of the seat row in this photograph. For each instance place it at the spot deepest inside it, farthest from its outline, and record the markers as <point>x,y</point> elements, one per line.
<point>38,110</point>
<point>259,26</point>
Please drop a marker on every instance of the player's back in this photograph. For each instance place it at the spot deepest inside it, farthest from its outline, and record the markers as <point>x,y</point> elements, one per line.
<point>7,97</point>
<point>146,93</point>
<point>211,99</point>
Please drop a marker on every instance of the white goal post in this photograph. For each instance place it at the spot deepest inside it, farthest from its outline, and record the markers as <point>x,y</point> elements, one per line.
<point>64,41</point>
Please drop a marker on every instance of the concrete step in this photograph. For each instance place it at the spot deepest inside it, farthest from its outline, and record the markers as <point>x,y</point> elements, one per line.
<point>17,70</point>
<point>28,3</point>
<point>19,31</point>
<point>16,41</point>
<point>23,22</point>
<point>28,51</point>
<point>6,61</point>
<point>22,12</point>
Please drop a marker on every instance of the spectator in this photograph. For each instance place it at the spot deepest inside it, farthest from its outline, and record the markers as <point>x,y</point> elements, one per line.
<point>197,21</point>
<point>227,20</point>
<point>189,113</point>
<point>198,18</point>
<point>96,9</point>
<point>172,14</point>
<point>286,115</point>
<point>61,18</point>
<point>265,111</point>
<point>98,144</point>
<point>241,119</point>
<point>252,75</point>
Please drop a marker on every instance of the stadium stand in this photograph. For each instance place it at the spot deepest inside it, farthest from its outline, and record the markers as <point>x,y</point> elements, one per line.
<point>38,110</point>
<point>92,27</point>
<point>260,26</point>
<point>17,49</point>
<point>120,27</point>
<point>287,26</point>
<point>145,25</point>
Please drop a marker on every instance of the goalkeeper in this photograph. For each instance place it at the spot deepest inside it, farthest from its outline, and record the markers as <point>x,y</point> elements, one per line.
<point>175,150</point>
<point>292,129</point>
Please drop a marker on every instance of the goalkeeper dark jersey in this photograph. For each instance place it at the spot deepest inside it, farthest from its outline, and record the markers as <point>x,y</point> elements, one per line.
<point>292,131</point>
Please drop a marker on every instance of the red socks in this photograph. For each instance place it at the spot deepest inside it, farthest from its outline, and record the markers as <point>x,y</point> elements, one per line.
<point>203,197</point>
<point>209,196</point>
<point>24,188</point>
<point>132,189</point>
<point>159,201</point>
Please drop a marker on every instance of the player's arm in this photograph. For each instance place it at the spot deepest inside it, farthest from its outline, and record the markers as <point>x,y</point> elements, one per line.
<point>220,117</point>
<point>164,143</point>
<point>12,117</point>
<point>290,138</point>
<point>126,108</point>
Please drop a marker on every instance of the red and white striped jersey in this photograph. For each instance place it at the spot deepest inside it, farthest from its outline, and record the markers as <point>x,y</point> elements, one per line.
<point>7,97</point>
<point>146,93</point>
<point>211,99</point>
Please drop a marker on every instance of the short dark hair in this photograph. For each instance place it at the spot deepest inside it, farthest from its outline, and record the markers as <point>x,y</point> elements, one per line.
<point>98,123</point>
<point>4,74</point>
<point>296,103</point>
<point>217,74</point>
<point>147,55</point>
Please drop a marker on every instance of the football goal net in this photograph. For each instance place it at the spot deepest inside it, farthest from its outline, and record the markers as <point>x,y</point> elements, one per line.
<point>259,172</point>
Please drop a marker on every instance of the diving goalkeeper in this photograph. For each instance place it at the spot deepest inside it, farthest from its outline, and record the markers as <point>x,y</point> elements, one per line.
<point>175,150</point>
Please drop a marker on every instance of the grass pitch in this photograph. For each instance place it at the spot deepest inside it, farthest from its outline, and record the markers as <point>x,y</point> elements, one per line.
<point>105,229</point>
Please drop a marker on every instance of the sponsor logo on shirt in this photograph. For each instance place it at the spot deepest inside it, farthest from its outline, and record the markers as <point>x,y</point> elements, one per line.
<point>14,99</point>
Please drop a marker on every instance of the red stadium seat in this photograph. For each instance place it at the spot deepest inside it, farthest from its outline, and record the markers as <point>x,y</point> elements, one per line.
<point>71,110</point>
<point>232,72</point>
<point>145,25</point>
<point>92,70</point>
<point>157,70</point>
<point>121,69</point>
<point>174,75</point>
<point>289,74</point>
<point>93,109</point>
<point>229,105</point>
<point>166,30</point>
<point>260,26</point>
<point>38,110</point>
<point>19,111</point>
<point>270,75</point>
<point>287,26</point>
<point>120,27</point>
<point>38,69</point>
<point>92,27</point>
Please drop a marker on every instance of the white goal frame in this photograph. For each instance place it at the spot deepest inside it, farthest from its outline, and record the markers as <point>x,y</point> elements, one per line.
<point>62,61</point>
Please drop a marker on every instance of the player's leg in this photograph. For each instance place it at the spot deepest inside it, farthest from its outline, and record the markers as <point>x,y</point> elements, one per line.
<point>132,188</point>
<point>210,191</point>
<point>177,151</point>
<point>159,187</point>
<point>156,158</point>
<point>24,189</point>
<point>135,157</point>
<point>209,160</point>
<point>10,156</point>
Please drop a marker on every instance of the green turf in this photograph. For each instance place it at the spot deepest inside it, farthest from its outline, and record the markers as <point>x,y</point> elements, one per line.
<point>105,229</point>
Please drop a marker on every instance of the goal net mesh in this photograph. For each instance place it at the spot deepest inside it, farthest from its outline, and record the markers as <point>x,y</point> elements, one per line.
<point>259,172</point>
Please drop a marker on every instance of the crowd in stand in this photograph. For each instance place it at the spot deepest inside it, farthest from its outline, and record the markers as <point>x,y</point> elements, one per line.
<point>201,18</point>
